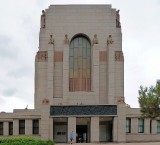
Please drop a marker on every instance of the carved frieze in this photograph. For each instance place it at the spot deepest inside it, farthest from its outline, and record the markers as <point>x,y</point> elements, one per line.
<point>102,56</point>
<point>83,110</point>
<point>119,56</point>
<point>42,56</point>
<point>58,56</point>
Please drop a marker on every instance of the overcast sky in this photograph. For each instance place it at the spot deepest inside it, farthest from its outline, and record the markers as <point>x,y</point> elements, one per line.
<point>19,36</point>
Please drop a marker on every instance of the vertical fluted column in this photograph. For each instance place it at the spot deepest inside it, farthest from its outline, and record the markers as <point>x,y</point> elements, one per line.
<point>65,72</point>
<point>5,128</point>
<point>94,129</point>
<point>72,127</point>
<point>15,127</point>
<point>50,72</point>
<point>95,71</point>
<point>121,123</point>
<point>45,122</point>
<point>115,129</point>
<point>111,73</point>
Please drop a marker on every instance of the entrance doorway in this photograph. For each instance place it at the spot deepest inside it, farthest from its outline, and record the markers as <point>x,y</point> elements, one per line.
<point>60,130</point>
<point>82,130</point>
<point>105,128</point>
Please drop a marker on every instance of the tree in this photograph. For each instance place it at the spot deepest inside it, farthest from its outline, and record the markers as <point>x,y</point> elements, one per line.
<point>149,100</point>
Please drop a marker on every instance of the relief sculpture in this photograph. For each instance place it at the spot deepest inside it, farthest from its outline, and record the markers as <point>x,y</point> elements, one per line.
<point>42,56</point>
<point>43,19</point>
<point>118,24</point>
<point>95,39</point>
<point>109,40</point>
<point>66,40</point>
<point>119,56</point>
<point>51,40</point>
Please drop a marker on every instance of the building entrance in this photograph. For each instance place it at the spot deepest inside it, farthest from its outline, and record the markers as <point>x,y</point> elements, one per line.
<point>60,126</point>
<point>105,129</point>
<point>82,130</point>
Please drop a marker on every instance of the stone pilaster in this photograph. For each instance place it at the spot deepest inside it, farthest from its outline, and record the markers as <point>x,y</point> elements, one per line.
<point>45,128</point>
<point>134,125</point>
<point>72,127</point>
<point>94,129</point>
<point>111,73</point>
<point>40,126</point>
<point>50,72</point>
<point>15,127</point>
<point>121,123</point>
<point>40,77</point>
<point>115,127</point>
<point>147,126</point>
<point>65,72</point>
<point>51,128</point>
<point>28,127</point>
<point>95,71</point>
<point>36,104</point>
<point>5,128</point>
<point>154,126</point>
<point>119,77</point>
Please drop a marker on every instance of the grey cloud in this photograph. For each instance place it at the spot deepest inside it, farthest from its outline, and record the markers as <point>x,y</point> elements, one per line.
<point>2,101</point>
<point>7,51</point>
<point>9,92</point>
<point>23,71</point>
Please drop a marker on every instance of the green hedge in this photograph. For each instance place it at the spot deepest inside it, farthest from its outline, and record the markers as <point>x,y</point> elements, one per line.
<point>24,141</point>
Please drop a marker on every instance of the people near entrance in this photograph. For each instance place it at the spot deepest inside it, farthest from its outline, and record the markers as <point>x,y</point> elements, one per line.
<point>84,137</point>
<point>71,137</point>
<point>76,137</point>
<point>80,137</point>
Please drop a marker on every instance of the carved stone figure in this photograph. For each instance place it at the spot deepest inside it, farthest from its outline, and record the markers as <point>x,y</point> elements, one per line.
<point>118,24</point>
<point>51,40</point>
<point>66,40</point>
<point>43,19</point>
<point>95,39</point>
<point>109,40</point>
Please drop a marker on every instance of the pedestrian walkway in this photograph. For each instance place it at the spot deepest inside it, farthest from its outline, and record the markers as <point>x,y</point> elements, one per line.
<point>144,143</point>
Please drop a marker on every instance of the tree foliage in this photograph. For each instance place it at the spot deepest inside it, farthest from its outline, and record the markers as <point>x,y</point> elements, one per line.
<point>149,100</point>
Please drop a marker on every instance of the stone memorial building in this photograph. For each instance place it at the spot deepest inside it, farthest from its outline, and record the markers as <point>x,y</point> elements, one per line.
<point>79,81</point>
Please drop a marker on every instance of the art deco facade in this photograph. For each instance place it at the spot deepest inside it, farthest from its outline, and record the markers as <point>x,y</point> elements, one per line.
<point>79,81</point>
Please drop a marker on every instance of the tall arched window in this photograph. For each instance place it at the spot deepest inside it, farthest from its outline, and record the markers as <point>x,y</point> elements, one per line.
<point>80,64</point>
